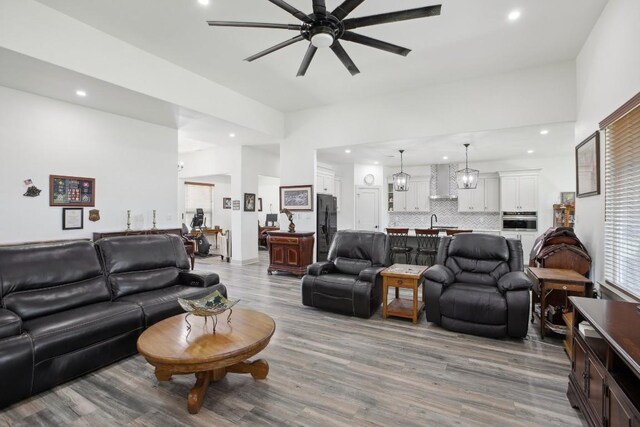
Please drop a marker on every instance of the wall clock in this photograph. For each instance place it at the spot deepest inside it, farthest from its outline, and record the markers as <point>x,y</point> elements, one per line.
<point>369,179</point>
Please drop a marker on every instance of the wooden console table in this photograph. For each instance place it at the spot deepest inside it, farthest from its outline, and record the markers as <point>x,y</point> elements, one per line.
<point>605,369</point>
<point>548,280</point>
<point>290,252</point>
<point>402,276</point>
<point>189,245</point>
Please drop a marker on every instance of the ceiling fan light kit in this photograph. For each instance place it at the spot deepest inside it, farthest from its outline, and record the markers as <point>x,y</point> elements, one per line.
<point>323,29</point>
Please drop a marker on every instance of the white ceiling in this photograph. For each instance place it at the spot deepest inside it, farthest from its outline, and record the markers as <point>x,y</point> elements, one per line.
<point>471,38</point>
<point>485,146</point>
<point>196,130</point>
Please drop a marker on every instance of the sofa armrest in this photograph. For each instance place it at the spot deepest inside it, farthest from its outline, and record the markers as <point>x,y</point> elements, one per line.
<point>516,280</point>
<point>440,274</point>
<point>10,324</point>
<point>200,279</point>
<point>370,274</point>
<point>320,268</point>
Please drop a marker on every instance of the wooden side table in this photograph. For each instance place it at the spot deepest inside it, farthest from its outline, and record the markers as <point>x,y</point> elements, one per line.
<point>549,280</point>
<point>402,276</point>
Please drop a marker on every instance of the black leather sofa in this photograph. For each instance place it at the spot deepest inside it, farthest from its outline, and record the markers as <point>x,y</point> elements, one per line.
<point>478,286</point>
<point>349,282</point>
<point>70,308</point>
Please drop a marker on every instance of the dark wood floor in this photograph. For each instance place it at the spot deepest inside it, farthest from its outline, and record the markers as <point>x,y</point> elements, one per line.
<point>330,370</point>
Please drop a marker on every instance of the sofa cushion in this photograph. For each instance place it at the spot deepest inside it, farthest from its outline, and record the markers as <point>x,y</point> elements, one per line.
<point>10,324</point>
<point>68,331</point>
<point>142,263</point>
<point>162,303</point>
<point>359,245</point>
<point>473,303</point>
<point>485,272</point>
<point>336,285</point>
<point>351,266</point>
<point>479,246</point>
<point>42,279</point>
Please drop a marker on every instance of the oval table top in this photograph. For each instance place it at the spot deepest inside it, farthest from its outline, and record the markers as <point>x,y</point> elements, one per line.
<point>170,341</point>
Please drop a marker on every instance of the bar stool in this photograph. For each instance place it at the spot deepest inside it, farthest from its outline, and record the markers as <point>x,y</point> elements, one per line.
<point>398,244</point>
<point>428,242</point>
<point>451,232</point>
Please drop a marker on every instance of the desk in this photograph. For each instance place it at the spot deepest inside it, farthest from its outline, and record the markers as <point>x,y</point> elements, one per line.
<point>402,276</point>
<point>548,280</point>
<point>209,232</point>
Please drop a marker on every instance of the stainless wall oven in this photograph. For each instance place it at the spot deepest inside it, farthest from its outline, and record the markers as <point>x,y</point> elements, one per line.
<point>520,221</point>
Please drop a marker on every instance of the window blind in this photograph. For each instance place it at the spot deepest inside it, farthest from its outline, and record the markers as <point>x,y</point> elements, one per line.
<point>622,203</point>
<point>198,195</point>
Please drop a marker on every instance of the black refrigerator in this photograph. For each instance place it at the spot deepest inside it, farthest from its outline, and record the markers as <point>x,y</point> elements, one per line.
<point>327,224</point>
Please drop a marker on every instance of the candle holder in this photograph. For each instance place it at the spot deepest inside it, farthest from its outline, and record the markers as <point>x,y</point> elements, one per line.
<point>128,220</point>
<point>154,221</point>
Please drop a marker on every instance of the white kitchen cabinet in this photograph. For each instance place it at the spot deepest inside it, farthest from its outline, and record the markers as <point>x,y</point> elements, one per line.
<point>528,239</point>
<point>416,199</point>
<point>519,191</point>
<point>484,198</point>
<point>337,192</point>
<point>325,180</point>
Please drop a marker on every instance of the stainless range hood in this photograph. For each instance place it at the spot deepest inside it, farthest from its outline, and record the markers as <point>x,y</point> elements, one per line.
<point>443,184</point>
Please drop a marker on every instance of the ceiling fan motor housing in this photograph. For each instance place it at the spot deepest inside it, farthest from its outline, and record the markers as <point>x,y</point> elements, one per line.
<point>323,31</point>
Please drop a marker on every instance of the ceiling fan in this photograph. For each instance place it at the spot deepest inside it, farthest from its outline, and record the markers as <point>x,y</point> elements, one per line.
<point>325,29</point>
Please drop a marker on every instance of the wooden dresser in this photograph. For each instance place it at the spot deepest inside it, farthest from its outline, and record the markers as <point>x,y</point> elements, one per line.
<point>290,252</point>
<point>605,369</point>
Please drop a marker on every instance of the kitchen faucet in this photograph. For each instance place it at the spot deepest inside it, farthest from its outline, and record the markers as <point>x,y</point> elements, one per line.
<point>436,217</point>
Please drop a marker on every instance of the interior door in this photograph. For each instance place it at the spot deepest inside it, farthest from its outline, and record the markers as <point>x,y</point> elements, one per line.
<point>368,209</point>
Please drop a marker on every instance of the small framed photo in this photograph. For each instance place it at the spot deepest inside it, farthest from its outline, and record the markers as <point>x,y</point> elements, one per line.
<point>236,205</point>
<point>72,218</point>
<point>568,198</point>
<point>296,197</point>
<point>259,204</point>
<point>226,203</point>
<point>588,166</point>
<point>249,202</point>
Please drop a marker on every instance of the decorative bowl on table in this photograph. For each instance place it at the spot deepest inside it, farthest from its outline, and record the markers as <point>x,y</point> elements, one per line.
<point>210,306</point>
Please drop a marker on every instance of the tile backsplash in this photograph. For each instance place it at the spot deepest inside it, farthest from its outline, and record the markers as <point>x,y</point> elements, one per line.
<point>448,215</point>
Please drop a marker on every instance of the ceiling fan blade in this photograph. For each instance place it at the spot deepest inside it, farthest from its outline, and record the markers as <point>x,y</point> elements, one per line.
<point>254,25</point>
<point>337,48</point>
<point>274,48</point>
<point>319,7</point>
<point>292,10</point>
<point>307,60</point>
<point>384,18</point>
<point>346,8</point>
<point>378,44</point>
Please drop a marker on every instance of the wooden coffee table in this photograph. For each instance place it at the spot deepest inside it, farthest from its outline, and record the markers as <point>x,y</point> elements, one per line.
<point>402,276</point>
<point>175,350</point>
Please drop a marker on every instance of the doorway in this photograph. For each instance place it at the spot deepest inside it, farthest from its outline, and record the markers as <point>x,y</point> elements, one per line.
<point>367,208</point>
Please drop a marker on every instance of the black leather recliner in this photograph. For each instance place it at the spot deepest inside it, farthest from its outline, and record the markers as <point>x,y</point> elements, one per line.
<point>349,282</point>
<point>59,319</point>
<point>478,286</point>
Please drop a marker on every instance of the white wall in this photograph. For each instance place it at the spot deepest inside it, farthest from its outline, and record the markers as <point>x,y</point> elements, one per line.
<point>134,164</point>
<point>269,192</point>
<point>607,77</point>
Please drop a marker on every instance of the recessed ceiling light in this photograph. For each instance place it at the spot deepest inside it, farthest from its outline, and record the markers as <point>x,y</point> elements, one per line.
<point>514,15</point>
<point>445,158</point>
<point>347,151</point>
<point>81,93</point>
<point>376,163</point>
<point>530,152</point>
<point>544,132</point>
<point>232,135</point>
<point>204,2</point>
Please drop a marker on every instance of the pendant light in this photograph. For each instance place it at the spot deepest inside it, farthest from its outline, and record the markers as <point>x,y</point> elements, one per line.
<point>466,178</point>
<point>401,179</point>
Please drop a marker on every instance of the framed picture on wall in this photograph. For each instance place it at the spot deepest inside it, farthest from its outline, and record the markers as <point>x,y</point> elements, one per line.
<point>568,198</point>
<point>588,166</point>
<point>72,191</point>
<point>259,204</point>
<point>226,203</point>
<point>249,202</point>
<point>72,218</point>
<point>296,197</point>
